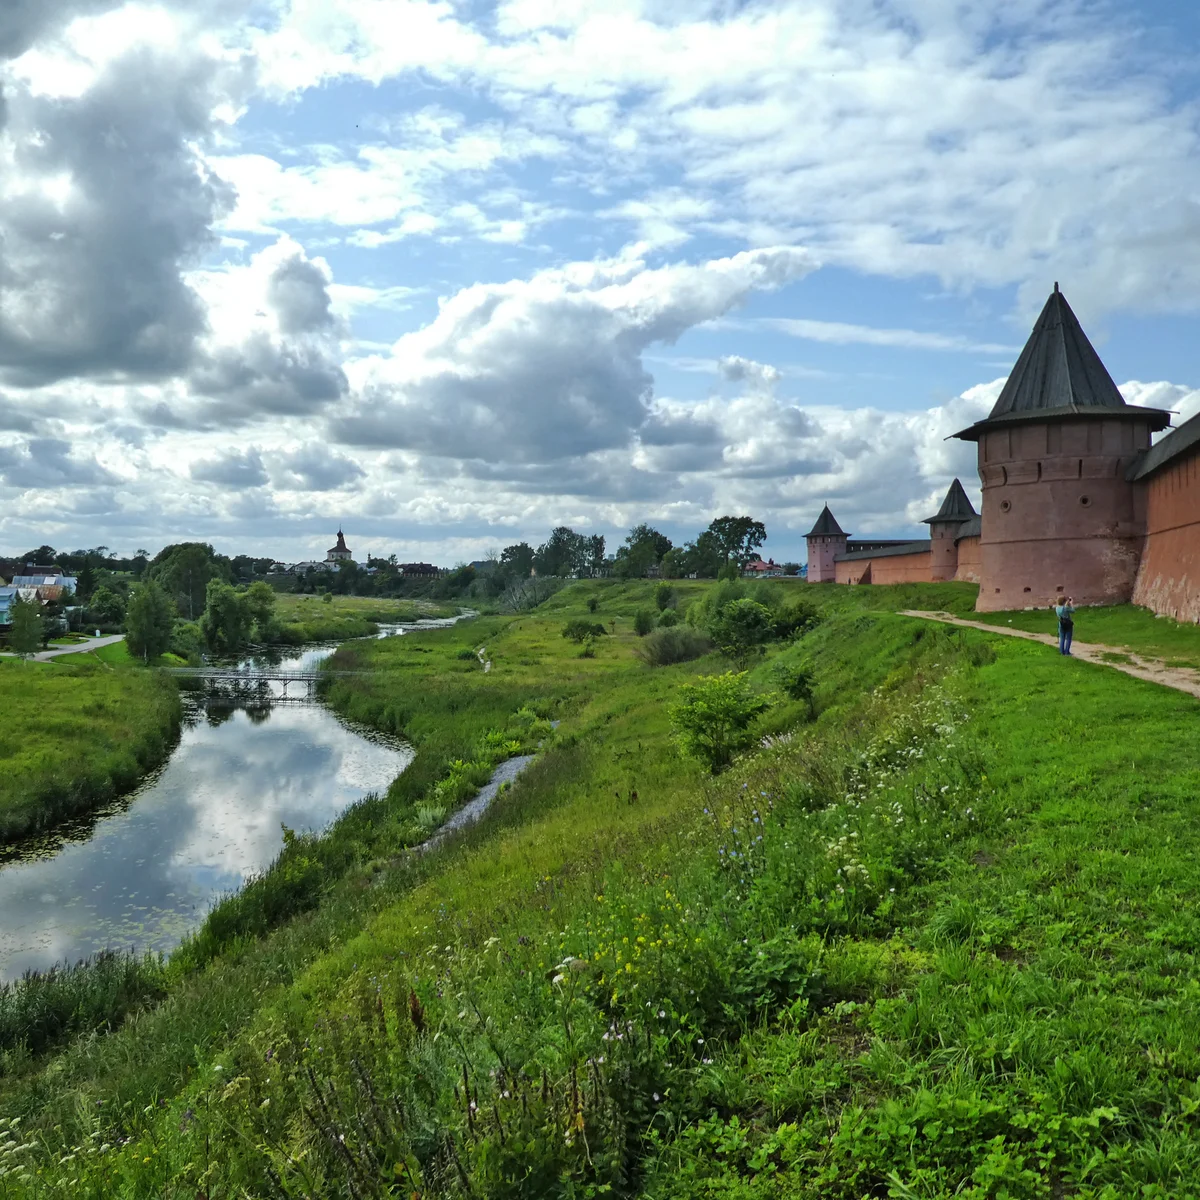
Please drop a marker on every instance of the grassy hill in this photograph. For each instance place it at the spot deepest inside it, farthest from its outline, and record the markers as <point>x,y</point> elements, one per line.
<point>937,941</point>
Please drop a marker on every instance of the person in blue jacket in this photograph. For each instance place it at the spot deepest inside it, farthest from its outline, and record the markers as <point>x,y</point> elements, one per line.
<point>1065,612</point>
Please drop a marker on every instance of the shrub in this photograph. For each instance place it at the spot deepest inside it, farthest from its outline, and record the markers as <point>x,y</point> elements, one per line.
<point>713,717</point>
<point>796,682</point>
<point>668,618</point>
<point>796,619</point>
<point>664,596</point>
<point>593,604</point>
<point>643,622</point>
<point>674,644</point>
<point>742,629</point>
<point>327,598</point>
<point>465,653</point>
<point>580,631</point>
<point>589,647</point>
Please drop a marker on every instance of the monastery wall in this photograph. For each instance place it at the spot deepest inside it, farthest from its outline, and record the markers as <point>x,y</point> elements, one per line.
<point>1168,579</point>
<point>889,568</point>
<point>970,561</point>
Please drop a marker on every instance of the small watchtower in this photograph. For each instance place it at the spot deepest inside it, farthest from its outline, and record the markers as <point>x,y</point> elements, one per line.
<point>944,528</point>
<point>825,542</point>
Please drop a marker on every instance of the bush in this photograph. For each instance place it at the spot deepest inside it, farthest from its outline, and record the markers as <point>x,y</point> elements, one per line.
<point>643,622</point>
<point>796,682</point>
<point>672,645</point>
<point>664,596</point>
<point>796,619</point>
<point>327,598</point>
<point>713,717</point>
<point>668,618</point>
<point>589,647</point>
<point>593,604</point>
<point>742,629</point>
<point>580,631</point>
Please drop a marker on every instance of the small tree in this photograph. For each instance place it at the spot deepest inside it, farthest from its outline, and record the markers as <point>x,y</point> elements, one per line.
<point>25,634</point>
<point>797,683</point>
<point>593,603</point>
<point>149,621</point>
<point>643,622</point>
<point>741,630</point>
<point>713,717</point>
<point>664,596</point>
<point>580,631</point>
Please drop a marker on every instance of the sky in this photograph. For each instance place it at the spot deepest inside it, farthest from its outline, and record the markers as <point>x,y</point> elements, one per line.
<point>447,275</point>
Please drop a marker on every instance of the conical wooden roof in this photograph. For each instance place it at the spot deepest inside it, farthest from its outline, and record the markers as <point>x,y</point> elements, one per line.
<point>956,506</point>
<point>826,525</point>
<point>1059,374</point>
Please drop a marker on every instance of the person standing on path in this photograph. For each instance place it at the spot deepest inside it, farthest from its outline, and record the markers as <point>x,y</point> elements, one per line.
<point>1065,611</point>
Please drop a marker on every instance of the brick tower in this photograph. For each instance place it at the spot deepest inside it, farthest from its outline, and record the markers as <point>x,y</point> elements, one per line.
<point>1059,516</point>
<point>943,532</point>
<point>825,542</point>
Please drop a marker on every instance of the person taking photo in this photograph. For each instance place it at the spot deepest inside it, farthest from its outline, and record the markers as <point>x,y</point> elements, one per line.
<point>1065,611</point>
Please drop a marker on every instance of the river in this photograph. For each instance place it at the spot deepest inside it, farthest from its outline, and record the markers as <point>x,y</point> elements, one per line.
<point>142,873</point>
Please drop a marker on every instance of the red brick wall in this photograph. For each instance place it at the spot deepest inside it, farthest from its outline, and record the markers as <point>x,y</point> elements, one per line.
<point>969,560</point>
<point>1168,580</point>
<point>891,568</point>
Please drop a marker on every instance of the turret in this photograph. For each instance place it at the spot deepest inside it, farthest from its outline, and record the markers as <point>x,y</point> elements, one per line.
<point>944,528</point>
<point>1058,513</point>
<point>825,542</point>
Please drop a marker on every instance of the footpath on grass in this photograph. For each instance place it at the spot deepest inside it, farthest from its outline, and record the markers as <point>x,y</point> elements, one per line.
<point>1183,679</point>
<point>78,648</point>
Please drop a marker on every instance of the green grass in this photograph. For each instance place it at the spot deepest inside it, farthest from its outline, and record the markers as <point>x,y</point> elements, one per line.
<point>1122,626</point>
<point>74,733</point>
<point>937,942</point>
<point>307,618</point>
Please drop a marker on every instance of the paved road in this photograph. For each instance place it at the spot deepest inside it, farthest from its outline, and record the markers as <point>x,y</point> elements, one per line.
<point>79,647</point>
<point>1183,679</point>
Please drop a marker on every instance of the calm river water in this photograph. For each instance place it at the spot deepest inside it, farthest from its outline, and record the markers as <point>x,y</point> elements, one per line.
<point>141,874</point>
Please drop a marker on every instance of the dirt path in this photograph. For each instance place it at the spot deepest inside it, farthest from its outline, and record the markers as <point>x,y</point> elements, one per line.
<point>1183,679</point>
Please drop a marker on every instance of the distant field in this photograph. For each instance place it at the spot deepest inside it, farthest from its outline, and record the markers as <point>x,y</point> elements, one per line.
<point>291,607</point>
<point>73,733</point>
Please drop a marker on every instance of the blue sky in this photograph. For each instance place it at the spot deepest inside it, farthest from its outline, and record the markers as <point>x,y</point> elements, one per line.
<point>451,274</point>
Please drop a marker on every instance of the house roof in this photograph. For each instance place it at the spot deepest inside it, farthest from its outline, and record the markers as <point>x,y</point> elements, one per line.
<point>1059,375</point>
<point>956,506</point>
<point>826,525</point>
<point>917,547</point>
<point>971,528</point>
<point>1178,442</point>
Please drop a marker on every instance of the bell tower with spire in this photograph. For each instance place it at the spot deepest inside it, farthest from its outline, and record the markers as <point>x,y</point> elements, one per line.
<point>340,552</point>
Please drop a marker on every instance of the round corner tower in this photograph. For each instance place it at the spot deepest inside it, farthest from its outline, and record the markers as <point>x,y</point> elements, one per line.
<point>1059,516</point>
<point>825,542</point>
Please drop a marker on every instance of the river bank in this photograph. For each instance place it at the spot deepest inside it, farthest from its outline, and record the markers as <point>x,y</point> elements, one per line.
<point>933,906</point>
<point>74,735</point>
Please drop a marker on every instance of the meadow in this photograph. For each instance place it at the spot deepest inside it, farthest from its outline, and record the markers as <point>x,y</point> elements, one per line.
<point>935,940</point>
<point>310,618</point>
<point>76,733</point>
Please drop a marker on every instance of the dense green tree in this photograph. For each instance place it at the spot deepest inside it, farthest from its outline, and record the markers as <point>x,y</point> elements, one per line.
<point>565,552</point>
<point>107,606</point>
<point>225,623</point>
<point>85,581</point>
<point>149,620</point>
<point>185,570</point>
<point>664,596</point>
<point>517,560</point>
<point>595,553</point>
<point>738,538</point>
<point>43,556</point>
<point>642,549</point>
<point>139,562</point>
<point>26,631</point>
